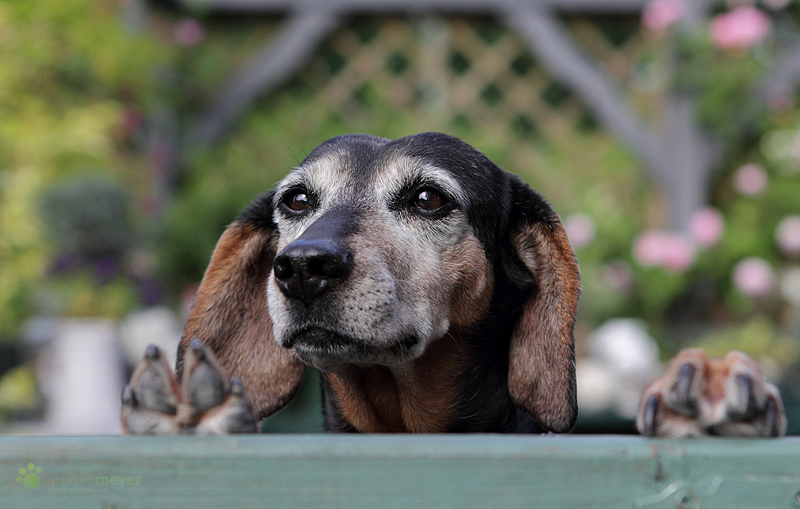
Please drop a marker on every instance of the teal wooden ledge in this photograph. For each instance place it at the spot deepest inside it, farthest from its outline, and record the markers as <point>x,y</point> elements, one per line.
<point>378,471</point>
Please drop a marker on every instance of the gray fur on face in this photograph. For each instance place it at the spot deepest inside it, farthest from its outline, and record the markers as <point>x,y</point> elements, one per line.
<point>394,302</point>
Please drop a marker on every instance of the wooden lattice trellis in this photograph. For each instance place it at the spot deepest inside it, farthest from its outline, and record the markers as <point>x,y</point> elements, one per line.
<point>468,69</point>
<point>677,153</point>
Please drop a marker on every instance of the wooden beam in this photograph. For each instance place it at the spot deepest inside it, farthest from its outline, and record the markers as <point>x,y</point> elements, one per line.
<point>404,6</point>
<point>547,39</point>
<point>279,59</point>
<point>373,471</point>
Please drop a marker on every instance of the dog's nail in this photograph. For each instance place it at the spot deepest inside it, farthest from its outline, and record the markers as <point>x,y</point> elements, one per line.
<point>746,401</point>
<point>152,353</point>
<point>771,418</point>
<point>198,349</point>
<point>128,397</point>
<point>236,387</point>
<point>649,419</point>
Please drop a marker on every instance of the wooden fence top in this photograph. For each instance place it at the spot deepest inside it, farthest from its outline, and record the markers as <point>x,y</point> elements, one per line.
<point>398,471</point>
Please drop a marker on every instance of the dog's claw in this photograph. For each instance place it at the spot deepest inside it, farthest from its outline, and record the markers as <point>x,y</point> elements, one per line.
<point>680,397</point>
<point>744,406</point>
<point>772,417</point>
<point>204,381</point>
<point>152,353</point>
<point>236,387</point>
<point>154,403</point>
<point>197,348</point>
<point>649,417</point>
<point>127,396</point>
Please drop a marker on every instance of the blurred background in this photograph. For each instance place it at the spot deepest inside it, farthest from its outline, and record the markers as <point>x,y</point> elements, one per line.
<point>666,133</point>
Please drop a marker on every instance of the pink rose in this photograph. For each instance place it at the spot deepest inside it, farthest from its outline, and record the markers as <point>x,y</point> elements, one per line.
<point>580,229</point>
<point>672,251</point>
<point>754,277</point>
<point>648,248</point>
<point>750,179</point>
<point>706,226</point>
<point>660,15</point>
<point>742,27</point>
<point>678,254</point>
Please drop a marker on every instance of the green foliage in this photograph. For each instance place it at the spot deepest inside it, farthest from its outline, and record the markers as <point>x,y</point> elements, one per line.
<point>18,391</point>
<point>87,216</point>
<point>70,70</point>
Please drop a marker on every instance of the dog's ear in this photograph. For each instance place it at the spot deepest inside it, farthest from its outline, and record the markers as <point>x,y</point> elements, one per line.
<point>230,313</point>
<point>541,370</point>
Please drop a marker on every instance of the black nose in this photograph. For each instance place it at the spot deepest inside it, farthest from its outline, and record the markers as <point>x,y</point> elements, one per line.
<point>306,269</point>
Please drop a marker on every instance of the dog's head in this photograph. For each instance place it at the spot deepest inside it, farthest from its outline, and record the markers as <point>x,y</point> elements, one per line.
<point>372,249</point>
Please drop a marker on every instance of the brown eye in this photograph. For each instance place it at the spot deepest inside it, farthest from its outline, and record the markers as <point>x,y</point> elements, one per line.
<point>298,202</point>
<point>429,200</point>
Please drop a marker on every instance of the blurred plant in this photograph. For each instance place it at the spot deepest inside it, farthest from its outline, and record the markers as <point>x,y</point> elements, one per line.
<point>87,217</point>
<point>87,223</point>
<point>725,282</point>
<point>18,392</point>
<point>73,85</point>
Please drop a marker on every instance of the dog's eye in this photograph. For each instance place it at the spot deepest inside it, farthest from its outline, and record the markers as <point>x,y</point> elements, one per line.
<point>429,200</point>
<point>297,202</point>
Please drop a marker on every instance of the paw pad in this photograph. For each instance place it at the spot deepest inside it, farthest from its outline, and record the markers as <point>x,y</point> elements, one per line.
<point>29,476</point>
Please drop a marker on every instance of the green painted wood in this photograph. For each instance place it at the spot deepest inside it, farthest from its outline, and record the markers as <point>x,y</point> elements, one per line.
<point>380,471</point>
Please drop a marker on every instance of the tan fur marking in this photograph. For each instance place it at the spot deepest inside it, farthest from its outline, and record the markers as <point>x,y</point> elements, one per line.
<point>418,397</point>
<point>230,316</point>
<point>466,266</point>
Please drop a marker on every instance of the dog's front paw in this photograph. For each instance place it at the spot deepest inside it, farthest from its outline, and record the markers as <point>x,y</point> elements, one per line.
<point>698,396</point>
<point>205,403</point>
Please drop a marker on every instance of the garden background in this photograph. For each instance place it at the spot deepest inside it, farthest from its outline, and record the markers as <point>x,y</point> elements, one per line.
<point>132,132</point>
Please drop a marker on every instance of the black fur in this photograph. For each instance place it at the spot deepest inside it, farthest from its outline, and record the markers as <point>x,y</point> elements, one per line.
<point>497,203</point>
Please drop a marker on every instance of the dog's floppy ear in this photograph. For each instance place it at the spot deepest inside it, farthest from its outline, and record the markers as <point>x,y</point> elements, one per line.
<point>230,313</point>
<point>541,370</point>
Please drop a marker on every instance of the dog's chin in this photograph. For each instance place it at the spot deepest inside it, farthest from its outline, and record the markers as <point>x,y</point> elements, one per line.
<point>329,351</point>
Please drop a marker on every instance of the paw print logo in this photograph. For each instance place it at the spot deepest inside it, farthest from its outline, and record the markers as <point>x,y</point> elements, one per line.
<point>29,476</point>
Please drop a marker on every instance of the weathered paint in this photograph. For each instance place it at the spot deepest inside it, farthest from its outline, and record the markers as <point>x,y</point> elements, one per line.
<point>400,471</point>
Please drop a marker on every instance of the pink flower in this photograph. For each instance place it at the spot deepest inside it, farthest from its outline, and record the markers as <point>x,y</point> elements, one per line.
<point>660,15</point>
<point>648,248</point>
<point>706,226</point>
<point>672,251</point>
<point>580,229</point>
<point>188,32</point>
<point>750,179</point>
<point>787,235</point>
<point>754,277</point>
<point>742,27</point>
<point>678,254</point>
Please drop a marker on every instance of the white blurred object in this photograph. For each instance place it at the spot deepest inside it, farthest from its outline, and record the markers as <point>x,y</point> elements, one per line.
<point>790,286</point>
<point>623,360</point>
<point>81,376</point>
<point>157,325</point>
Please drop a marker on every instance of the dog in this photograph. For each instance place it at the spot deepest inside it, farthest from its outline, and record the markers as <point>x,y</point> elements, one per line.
<point>433,291</point>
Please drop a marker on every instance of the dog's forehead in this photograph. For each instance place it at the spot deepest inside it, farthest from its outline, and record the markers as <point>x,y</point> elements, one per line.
<point>362,165</point>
